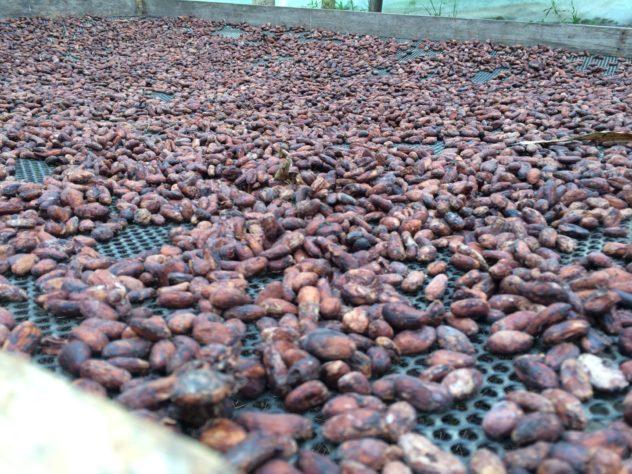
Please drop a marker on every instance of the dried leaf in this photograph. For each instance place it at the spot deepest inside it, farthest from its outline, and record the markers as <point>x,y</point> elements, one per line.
<point>599,137</point>
<point>283,173</point>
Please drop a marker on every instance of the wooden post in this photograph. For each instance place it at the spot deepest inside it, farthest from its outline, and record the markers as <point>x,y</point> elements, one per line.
<point>141,8</point>
<point>375,5</point>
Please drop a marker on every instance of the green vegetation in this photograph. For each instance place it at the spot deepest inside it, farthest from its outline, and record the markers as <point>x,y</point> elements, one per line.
<point>562,11</point>
<point>348,5</point>
<point>598,21</point>
<point>575,18</point>
<point>556,11</point>
<point>440,7</point>
<point>334,5</point>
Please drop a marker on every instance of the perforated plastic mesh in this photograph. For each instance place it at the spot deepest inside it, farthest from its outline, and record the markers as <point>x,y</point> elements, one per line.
<point>307,37</point>
<point>481,77</point>
<point>29,310</point>
<point>33,171</point>
<point>155,308</point>
<point>261,61</point>
<point>608,64</point>
<point>405,56</point>
<point>161,96</point>
<point>381,71</point>
<point>303,38</point>
<point>269,402</point>
<point>255,285</point>
<point>458,429</point>
<point>229,32</point>
<point>414,53</point>
<point>594,243</point>
<point>134,240</point>
<point>437,148</point>
<point>131,242</point>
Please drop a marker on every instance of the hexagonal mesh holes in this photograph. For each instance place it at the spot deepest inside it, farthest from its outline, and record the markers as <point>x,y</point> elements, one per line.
<point>136,239</point>
<point>481,77</point>
<point>29,310</point>
<point>458,429</point>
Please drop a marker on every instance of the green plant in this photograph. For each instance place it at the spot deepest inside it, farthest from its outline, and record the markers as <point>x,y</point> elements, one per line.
<point>555,10</point>
<point>575,17</point>
<point>600,21</point>
<point>337,5</point>
<point>455,4</point>
<point>434,7</point>
<point>348,5</point>
<point>437,7</point>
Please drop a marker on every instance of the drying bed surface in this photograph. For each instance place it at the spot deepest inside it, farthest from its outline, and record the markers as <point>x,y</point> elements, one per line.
<point>322,253</point>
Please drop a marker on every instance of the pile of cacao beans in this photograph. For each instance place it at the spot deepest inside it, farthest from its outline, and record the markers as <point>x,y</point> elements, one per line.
<point>284,152</point>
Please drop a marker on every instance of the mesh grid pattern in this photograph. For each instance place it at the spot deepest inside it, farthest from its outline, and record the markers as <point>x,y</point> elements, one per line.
<point>33,171</point>
<point>270,402</point>
<point>382,71</point>
<point>134,240</point>
<point>609,64</point>
<point>306,37</point>
<point>437,148</point>
<point>50,325</point>
<point>264,60</point>
<point>414,53</point>
<point>457,430</point>
<point>410,55</point>
<point>593,243</point>
<point>155,308</point>
<point>406,56</point>
<point>481,77</point>
<point>161,96</point>
<point>229,32</point>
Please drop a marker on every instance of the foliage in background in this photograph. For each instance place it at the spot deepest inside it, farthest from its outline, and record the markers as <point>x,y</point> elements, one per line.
<point>440,7</point>
<point>334,5</point>
<point>575,17</point>
<point>555,10</point>
<point>559,13</point>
